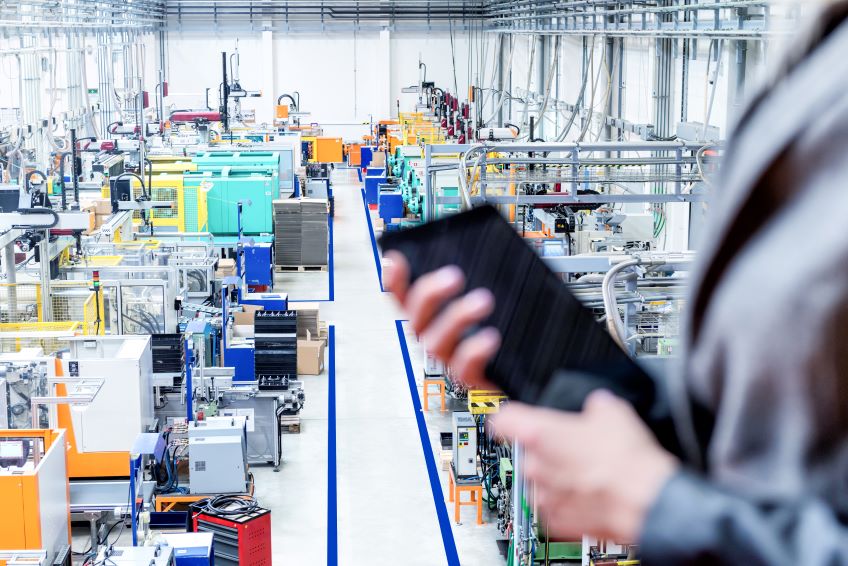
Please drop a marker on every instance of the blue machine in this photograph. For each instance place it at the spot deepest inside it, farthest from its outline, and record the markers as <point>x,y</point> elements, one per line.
<point>390,203</point>
<point>240,357</point>
<point>373,179</point>
<point>366,154</point>
<point>191,549</point>
<point>258,265</point>
<point>268,301</point>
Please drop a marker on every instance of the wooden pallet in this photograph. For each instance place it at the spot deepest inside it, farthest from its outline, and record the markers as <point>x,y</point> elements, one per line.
<point>290,424</point>
<point>299,268</point>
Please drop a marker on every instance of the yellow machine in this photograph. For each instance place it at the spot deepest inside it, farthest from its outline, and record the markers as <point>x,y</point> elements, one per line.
<point>34,492</point>
<point>188,211</point>
<point>482,402</point>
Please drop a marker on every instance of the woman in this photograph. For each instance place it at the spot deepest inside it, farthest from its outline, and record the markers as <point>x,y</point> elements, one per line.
<point>762,404</point>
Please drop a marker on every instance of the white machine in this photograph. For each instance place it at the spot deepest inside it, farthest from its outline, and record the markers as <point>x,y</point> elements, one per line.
<point>217,449</point>
<point>124,405</point>
<point>464,445</point>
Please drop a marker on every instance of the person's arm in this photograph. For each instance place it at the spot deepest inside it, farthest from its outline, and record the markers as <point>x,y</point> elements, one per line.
<point>695,522</point>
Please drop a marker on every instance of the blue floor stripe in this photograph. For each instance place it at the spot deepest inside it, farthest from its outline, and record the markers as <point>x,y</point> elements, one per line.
<point>332,494</point>
<point>377,261</point>
<point>435,485</point>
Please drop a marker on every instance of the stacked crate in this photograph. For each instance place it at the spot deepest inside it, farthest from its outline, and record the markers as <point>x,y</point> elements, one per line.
<point>301,232</point>
<point>314,235</point>
<point>287,230</point>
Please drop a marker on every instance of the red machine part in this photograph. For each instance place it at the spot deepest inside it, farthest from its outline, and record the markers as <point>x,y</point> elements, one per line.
<point>246,538</point>
<point>188,116</point>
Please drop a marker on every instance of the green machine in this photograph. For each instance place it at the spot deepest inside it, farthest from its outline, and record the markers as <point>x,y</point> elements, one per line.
<point>410,188</point>
<point>224,191</point>
<point>215,161</point>
<point>400,162</point>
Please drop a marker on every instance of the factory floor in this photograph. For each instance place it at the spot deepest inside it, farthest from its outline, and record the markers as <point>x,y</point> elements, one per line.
<point>388,511</point>
<point>384,499</point>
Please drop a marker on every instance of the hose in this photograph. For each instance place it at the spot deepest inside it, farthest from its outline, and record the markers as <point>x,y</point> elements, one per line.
<point>290,97</point>
<point>615,325</point>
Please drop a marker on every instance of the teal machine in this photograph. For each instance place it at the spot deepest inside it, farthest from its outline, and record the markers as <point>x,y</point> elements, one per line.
<point>234,184</point>
<point>216,161</point>
<point>402,165</point>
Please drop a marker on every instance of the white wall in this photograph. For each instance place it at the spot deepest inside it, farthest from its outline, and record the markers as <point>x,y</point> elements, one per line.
<point>344,79</point>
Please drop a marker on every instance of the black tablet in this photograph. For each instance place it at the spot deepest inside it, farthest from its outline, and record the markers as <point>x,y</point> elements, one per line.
<point>553,352</point>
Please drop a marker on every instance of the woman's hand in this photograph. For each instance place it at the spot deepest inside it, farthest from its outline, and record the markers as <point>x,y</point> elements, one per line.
<point>441,316</point>
<point>597,472</point>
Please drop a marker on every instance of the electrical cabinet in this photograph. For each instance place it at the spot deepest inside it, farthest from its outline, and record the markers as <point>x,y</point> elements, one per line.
<point>464,445</point>
<point>259,264</point>
<point>375,177</point>
<point>240,357</point>
<point>217,449</point>
<point>390,203</point>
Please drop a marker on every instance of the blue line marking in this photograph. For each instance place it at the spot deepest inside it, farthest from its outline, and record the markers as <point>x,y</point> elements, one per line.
<point>332,494</point>
<point>435,485</point>
<point>377,261</point>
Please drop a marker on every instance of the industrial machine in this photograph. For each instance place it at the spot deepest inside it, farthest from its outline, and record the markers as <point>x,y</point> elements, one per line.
<point>34,498</point>
<point>464,445</point>
<point>135,555</point>
<point>101,435</point>
<point>217,449</point>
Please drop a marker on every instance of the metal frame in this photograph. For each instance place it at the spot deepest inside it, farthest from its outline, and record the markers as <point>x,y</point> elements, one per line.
<point>672,156</point>
<point>748,19</point>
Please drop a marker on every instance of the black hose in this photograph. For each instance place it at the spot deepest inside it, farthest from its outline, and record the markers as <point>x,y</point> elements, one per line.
<point>230,505</point>
<point>38,210</point>
<point>290,97</point>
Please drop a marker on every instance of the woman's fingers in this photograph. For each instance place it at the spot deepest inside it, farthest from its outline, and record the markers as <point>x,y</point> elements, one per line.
<point>473,354</point>
<point>396,276</point>
<point>429,293</point>
<point>446,330</point>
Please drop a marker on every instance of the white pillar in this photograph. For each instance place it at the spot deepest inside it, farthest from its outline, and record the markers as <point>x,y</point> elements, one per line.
<point>266,109</point>
<point>386,102</point>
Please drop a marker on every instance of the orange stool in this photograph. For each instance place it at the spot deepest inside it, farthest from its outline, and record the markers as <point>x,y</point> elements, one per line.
<point>455,490</point>
<point>440,383</point>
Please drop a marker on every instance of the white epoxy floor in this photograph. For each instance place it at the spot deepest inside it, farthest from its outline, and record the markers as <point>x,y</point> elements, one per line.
<point>386,511</point>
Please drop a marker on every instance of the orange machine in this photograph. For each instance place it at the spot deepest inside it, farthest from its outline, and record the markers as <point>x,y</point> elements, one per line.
<point>329,150</point>
<point>354,155</point>
<point>34,492</point>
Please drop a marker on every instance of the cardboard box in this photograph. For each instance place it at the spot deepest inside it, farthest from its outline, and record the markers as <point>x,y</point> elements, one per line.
<point>244,318</point>
<point>310,356</point>
<point>100,219</point>
<point>226,268</point>
<point>446,457</point>
<point>92,221</point>
<point>101,205</point>
<point>379,225</point>
<point>308,318</point>
<point>378,159</point>
<point>252,308</point>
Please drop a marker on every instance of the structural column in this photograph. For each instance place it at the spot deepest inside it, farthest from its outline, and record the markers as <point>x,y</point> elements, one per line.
<point>267,109</point>
<point>384,63</point>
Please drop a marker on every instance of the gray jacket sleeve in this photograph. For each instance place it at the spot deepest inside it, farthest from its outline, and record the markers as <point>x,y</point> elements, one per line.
<point>695,522</point>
